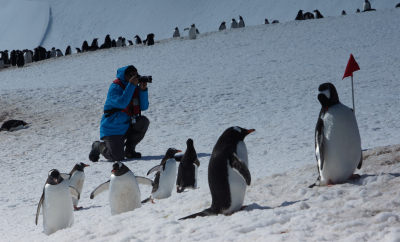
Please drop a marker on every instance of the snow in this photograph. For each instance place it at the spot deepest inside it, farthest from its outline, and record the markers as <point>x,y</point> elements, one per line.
<point>264,77</point>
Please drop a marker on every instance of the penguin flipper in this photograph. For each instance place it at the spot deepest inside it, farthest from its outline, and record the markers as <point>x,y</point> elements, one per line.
<point>319,144</point>
<point>361,161</point>
<point>156,168</point>
<point>144,180</point>
<point>204,213</point>
<point>38,207</point>
<point>101,188</point>
<point>74,192</point>
<point>238,165</point>
<point>178,158</point>
<point>197,162</point>
<point>65,176</point>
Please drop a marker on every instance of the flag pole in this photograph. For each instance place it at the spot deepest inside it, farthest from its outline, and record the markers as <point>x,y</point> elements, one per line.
<point>352,93</point>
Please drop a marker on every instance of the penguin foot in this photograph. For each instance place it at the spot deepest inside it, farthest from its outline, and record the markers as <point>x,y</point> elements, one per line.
<point>354,177</point>
<point>77,208</point>
<point>243,207</point>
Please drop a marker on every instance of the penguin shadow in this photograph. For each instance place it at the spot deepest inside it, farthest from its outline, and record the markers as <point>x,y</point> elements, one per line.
<point>159,157</point>
<point>360,181</point>
<point>255,206</point>
<point>87,208</point>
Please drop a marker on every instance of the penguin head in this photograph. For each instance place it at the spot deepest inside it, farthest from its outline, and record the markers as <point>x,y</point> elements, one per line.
<point>119,168</point>
<point>80,166</point>
<point>237,133</point>
<point>189,142</point>
<point>328,95</point>
<point>54,177</point>
<point>171,153</point>
<point>240,17</point>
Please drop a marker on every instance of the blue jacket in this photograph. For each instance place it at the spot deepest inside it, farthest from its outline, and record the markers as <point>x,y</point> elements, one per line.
<point>118,122</point>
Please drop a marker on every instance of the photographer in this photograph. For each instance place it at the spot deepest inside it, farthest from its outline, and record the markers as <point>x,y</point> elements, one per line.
<point>122,126</point>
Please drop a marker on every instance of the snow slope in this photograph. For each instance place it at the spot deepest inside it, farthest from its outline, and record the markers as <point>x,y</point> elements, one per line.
<point>263,77</point>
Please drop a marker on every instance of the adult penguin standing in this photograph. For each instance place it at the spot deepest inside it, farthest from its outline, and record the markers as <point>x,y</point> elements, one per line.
<point>228,173</point>
<point>124,192</point>
<point>187,170</point>
<point>165,177</point>
<point>337,139</point>
<point>56,202</point>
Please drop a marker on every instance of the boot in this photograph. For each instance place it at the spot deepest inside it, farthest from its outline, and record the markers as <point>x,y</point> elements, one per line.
<point>94,154</point>
<point>130,154</point>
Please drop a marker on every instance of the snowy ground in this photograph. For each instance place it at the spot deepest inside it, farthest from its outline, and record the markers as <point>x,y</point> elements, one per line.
<point>263,77</point>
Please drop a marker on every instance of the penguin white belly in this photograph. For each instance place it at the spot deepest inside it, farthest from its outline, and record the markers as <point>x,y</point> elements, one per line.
<point>195,176</point>
<point>167,180</point>
<point>124,193</point>
<point>57,208</point>
<point>342,145</point>
<point>76,180</point>
<point>237,184</point>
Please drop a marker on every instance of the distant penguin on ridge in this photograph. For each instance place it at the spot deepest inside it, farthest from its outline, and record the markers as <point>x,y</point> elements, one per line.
<point>266,21</point>
<point>228,173</point>
<point>299,15</point>
<point>241,22</point>
<point>187,170</point>
<point>234,24</point>
<point>56,203</point>
<point>318,14</point>
<point>124,192</point>
<point>222,26</point>
<point>344,12</point>
<point>192,32</point>
<point>176,33</point>
<point>165,177</point>
<point>337,139</point>
<point>13,125</point>
<point>138,40</point>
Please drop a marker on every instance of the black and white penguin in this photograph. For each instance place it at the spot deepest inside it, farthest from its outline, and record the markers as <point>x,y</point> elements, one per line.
<point>13,124</point>
<point>78,50</point>
<point>56,203</point>
<point>165,177</point>
<point>107,42</point>
<point>228,173</point>
<point>124,192</point>
<point>76,180</point>
<point>358,10</point>
<point>234,24</point>
<point>308,15</point>
<point>149,40</point>
<point>241,22</point>
<point>187,170</point>
<point>318,14</point>
<point>266,21</point>
<point>337,139</point>
<point>68,50</point>
<point>20,61</point>
<point>138,40</point>
<point>397,5</point>
<point>59,53</point>
<point>222,26</point>
<point>176,33</point>
<point>28,56</point>
<point>344,12</point>
<point>299,15</point>
<point>85,46</point>
<point>367,6</point>
<point>94,46</point>
<point>192,32</point>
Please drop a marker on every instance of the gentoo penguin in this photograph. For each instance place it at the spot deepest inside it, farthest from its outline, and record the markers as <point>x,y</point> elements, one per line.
<point>176,33</point>
<point>300,15</point>
<point>187,170</point>
<point>149,40</point>
<point>56,203</point>
<point>138,40</point>
<point>241,22</point>
<point>192,32</point>
<point>397,5</point>
<point>12,125</point>
<point>68,50</point>
<point>266,21</point>
<point>308,15</point>
<point>344,12</point>
<point>222,26</point>
<point>94,46</point>
<point>165,177</point>
<point>367,5</point>
<point>124,192</point>
<point>78,50</point>
<point>59,53</point>
<point>76,179</point>
<point>85,46</point>
<point>358,10</point>
<point>228,173</point>
<point>28,56</point>
<point>337,139</point>
<point>318,14</point>
<point>234,24</point>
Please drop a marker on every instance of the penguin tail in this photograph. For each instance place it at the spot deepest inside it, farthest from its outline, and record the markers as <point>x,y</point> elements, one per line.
<point>146,200</point>
<point>204,213</point>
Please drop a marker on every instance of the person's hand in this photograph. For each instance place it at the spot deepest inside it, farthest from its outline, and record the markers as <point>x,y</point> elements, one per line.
<point>143,85</point>
<point>134,80</point>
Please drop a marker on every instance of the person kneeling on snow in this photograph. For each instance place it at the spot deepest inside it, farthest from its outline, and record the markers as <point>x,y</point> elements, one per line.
<point>122,126</point>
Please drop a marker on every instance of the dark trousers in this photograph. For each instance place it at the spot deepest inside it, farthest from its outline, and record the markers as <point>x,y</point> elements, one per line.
<point>115,144</point>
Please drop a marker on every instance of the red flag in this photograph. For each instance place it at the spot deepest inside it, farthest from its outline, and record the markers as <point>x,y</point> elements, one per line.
<point>351,67</point>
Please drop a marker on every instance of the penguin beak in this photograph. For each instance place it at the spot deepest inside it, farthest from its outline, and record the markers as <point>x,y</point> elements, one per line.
<point>113,171</point>
<point>85,165</point>
<point>250,131</point>
<point>178,151</point>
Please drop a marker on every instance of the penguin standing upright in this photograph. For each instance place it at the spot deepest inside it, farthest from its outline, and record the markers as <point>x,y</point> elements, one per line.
<point>76,179</point>
<point>56,202</point>
<point>241,22</point>
<point>228,173</point>
<point>138,40</point>
<point>124,192</point>
<point>337,139</point>
<point>192,32</point>
<point>176,33</point>
<point>165,177</point>
<point>187,170</point>
<point>234,24</point>
<point>222,26</point>
<point>318,14</point>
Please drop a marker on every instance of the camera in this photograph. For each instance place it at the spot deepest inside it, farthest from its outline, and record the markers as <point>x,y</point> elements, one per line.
<point>145,79</point>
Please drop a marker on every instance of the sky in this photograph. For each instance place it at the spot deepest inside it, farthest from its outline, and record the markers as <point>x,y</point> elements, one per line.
<point>264,77</point>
